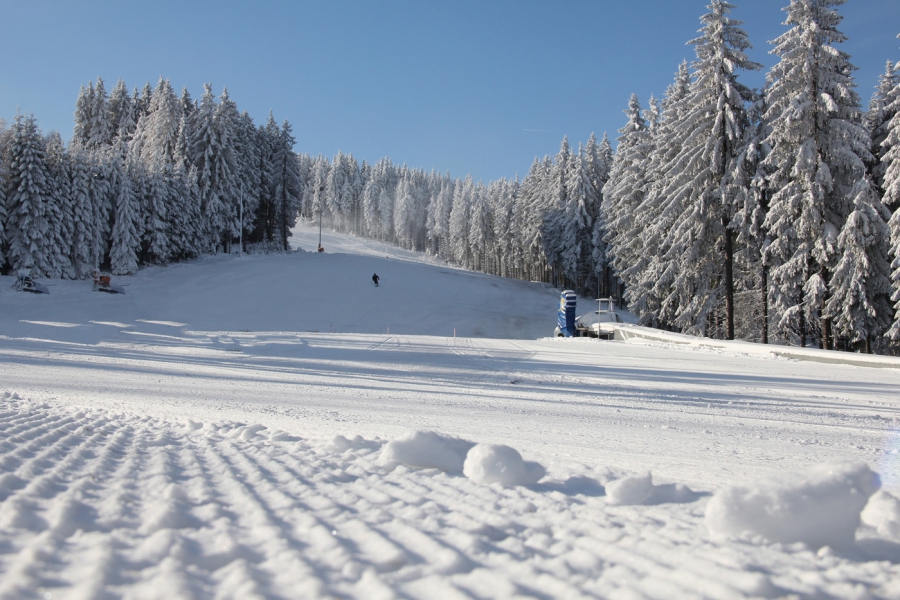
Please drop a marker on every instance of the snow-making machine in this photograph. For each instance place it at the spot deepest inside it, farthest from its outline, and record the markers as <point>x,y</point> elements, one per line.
<point>103,283</point>
<point>565,316</point>
<point>24,283</point>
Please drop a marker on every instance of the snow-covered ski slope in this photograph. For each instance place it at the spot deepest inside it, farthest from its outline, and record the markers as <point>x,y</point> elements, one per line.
<point>238,427</point>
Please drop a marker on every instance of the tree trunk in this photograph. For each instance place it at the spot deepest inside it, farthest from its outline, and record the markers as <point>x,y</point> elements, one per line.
<point>765,305</point>
<point>802,329</point>
<point>729,285</point>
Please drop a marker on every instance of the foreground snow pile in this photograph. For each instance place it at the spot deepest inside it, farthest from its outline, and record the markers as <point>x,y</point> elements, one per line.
<point>482,463</point>
<point>820,507</point>
<point>427,450</point>
<point>493,463</point>
<point>640,489</point>
<point>883,514</point>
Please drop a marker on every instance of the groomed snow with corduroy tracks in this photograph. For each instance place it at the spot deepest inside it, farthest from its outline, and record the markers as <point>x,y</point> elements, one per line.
<point>277,427</point>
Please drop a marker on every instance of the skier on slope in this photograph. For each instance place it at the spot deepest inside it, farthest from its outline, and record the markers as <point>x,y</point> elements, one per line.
<point>375,278</point>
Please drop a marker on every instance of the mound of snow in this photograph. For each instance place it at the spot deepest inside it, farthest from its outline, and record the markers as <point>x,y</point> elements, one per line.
<point>883,514</point>
<point>427,450</point>
<point>820,507</point>
<point>639,489</point>
<point>492,463</point>
<point>340,443</point>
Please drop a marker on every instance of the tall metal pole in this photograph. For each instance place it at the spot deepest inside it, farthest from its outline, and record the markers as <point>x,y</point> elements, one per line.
<point>321,189</point>
<point>241,249</point>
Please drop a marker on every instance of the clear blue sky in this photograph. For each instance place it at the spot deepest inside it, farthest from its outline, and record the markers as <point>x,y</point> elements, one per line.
<point>466,86</point>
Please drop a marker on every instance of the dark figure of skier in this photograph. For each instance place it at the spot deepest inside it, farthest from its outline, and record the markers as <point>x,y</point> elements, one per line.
<point>375,278</point>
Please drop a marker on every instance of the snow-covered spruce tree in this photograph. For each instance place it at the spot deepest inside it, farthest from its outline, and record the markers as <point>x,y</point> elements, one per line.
<point>701,180</point>
<point>121,112</point>
<point>101,204</point>
<point>288,189</point>
<point>212,153</point>
<point>624,192</point>
<point>860,285</point>
<point>554,222</point>
<point>404,207</point>
<point>266,214</point>
<point>319,181</point>
<point>247,153</point>
<point>156,136</point>
<point>3,213</point>
<point>57,204</point>
<point>28,233</point>
<point>576,220</point>
<point>336,186</point>
<point>155,209</point>
<point>882,108</point>
<point>505,243</point>
<point>819,146</point>
<point>186,226</point>
<point>84,105</point>
<point>650,276</point>
<point>370,195</point>
<point>123,253</point>
<point>599,246</point>
<point>751,237</point>
<point>459,222</point>
<point>386,203</point>
<point>81,256</point>
<point>891,184</point>
<point>188,106</point>
<point>101,132</point>
<point>479,235</point>
<point>306,166</point>
<point>534,205</point>
<point>438,220</point>
<point>142,101</point>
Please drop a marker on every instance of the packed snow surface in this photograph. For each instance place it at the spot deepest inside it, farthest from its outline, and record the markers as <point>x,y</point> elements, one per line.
<point>277,427</point>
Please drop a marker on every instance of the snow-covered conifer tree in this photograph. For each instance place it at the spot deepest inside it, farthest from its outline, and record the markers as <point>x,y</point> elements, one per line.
<point>155,210</point>
<point>123,253</point>
<point>459,222</point>
<point>101,203</point>
<point>624,192</point>
<point>288,187</point>
<point>58,209</point>
<point>156,136</point>
<point>142,101</point>
<point>479,227</point>
<point>438,221</point>
<point>121,112</point>
<point>576,218</point>
<point>81,256</point>
<point>891,184</point>
<point>247,153</point>
<point>212,153</point>
<point>101,132</point>
<point>27,229</point>
<point>860,285</point>
<point>83,119</point>
<point>819,146</point>
<point>700,178</point>
<point>882,108</point>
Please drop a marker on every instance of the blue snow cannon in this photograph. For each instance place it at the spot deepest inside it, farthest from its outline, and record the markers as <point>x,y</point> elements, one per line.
<point>566,315</point>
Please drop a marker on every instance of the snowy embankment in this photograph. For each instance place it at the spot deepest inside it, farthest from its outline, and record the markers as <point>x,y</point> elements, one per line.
<point>207,435</point>
<point>629,332</point>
